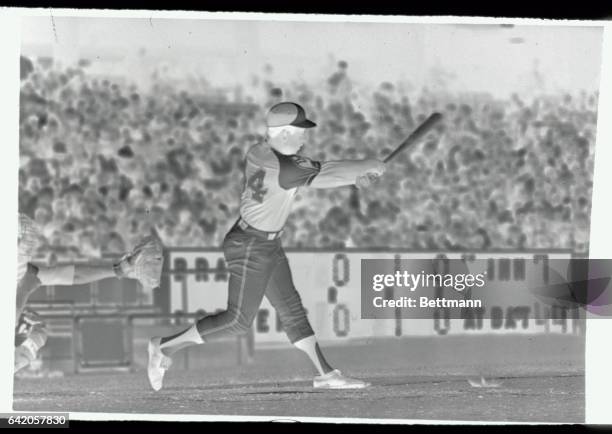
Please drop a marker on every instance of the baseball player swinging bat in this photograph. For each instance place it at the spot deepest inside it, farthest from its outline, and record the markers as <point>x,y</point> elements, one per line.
<point>416,135</point>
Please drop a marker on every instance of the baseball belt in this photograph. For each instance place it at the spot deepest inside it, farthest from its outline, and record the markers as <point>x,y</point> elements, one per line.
<point>262,234</point>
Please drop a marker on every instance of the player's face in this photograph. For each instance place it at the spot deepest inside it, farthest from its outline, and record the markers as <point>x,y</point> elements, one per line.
<point>294,140</point>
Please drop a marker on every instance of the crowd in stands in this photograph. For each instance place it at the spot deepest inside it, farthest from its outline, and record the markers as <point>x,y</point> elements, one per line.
<point>103,161</point>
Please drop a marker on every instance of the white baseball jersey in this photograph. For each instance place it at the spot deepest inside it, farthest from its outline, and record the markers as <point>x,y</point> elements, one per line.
<point>272,180</point>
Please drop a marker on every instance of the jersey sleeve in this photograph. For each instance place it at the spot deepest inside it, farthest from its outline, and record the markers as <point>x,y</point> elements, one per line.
<point>341,173</point>
<point>296,171</point>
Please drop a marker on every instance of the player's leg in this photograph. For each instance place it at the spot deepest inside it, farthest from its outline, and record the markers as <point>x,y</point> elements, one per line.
<point>26,286</point>
<point>30,333</point>
<point>29,342</point>
<point>286,300</point>
<point>249,263</point>
<point>23,358</point>
<point>30,337</point>
<point>249,267</point>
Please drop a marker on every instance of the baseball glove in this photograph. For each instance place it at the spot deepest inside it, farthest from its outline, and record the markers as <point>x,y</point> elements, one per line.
<point>144,263</point>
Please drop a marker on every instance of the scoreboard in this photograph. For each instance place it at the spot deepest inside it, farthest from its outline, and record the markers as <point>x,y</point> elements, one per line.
<point>329,285</point>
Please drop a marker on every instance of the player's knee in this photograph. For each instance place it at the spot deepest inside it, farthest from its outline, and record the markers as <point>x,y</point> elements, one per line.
<point>240,329</point>
<point>242,325</point>
<point>241,321</point>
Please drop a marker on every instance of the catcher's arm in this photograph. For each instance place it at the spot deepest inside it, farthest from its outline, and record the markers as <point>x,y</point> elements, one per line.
<point>74,274</point>
<point>59,275</point>
<point>144,263</point>
<point>147,252</point>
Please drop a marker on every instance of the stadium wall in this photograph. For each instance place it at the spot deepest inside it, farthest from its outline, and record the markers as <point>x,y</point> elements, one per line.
<point>329,284</point>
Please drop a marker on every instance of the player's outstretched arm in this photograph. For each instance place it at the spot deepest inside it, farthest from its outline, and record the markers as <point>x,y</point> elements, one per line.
<point>60,275</point>
<point>75,274</point>
<point>345,172</point>
<point>143,263</point>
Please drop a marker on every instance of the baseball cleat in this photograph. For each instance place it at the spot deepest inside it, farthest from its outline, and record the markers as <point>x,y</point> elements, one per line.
<point>159,363</point>
<point>335,380</point>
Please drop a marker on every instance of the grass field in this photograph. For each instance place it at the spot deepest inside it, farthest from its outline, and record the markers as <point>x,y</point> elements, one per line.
<point>412,378</point>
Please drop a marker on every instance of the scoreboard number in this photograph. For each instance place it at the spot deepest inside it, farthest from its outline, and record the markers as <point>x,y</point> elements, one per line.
<point>340,261</point>
<point>342,320</point>
<point>341,314</point>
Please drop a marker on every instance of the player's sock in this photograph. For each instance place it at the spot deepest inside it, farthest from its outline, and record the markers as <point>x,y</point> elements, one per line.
<point>310,346</point>
<point>171,344</point>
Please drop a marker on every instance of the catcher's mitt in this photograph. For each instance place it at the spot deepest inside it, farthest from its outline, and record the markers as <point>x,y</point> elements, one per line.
<point>144,263</point>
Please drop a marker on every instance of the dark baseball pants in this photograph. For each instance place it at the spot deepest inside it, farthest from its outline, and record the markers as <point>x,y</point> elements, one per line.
<point>257,267</point>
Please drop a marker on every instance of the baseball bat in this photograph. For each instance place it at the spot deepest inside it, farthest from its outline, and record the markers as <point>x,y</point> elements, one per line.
<point>416,135</point>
